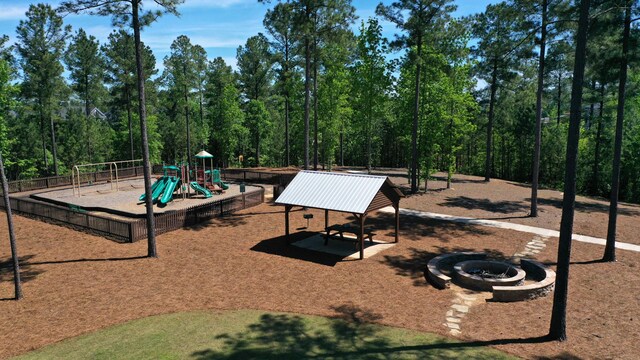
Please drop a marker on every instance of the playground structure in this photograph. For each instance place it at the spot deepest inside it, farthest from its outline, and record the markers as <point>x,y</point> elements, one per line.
<point>162,190</point>
<point>207,182</point>
<point>76,181</point>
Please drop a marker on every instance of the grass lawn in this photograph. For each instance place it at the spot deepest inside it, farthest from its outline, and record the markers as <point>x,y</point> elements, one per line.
<point>250,334</point>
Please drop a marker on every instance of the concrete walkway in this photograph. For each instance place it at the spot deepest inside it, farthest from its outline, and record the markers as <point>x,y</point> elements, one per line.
<point>510,226</point>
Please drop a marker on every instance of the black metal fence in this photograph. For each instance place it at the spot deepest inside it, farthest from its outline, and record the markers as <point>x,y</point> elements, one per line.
<point>258,177</point>
<point>197,214</point>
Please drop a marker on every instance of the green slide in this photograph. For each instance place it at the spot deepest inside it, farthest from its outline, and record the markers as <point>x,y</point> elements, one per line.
<point>217,180</point>
<point>156,189</point>
<point>167,195</point>
<point>195,186</point>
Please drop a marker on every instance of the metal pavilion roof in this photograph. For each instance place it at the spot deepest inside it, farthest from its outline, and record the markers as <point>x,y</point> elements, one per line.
<point>333,191</point>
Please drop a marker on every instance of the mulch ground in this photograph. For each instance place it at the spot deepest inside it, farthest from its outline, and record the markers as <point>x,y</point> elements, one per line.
<point>76,283</point>
<point>508,201</point>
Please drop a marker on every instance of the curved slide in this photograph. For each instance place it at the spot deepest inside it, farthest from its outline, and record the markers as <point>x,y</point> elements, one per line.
<point>167,195</point>
<point>195,186</point>
<point>156,189</point>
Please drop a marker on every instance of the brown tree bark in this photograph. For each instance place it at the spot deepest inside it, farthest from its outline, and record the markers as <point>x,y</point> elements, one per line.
<point>151,230</point>
<point>538,141</point>
<point>12,235</point>
<point>610,248</point>
<point>558,326</point>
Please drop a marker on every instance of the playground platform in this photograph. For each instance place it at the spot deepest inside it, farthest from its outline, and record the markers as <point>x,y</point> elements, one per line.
<point>119,215</point>
<point>124,201</point>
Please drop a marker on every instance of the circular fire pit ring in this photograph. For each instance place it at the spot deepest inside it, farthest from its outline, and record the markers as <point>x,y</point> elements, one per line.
<point>485,274</point>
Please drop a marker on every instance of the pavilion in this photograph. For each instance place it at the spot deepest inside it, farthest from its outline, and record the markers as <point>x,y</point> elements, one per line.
<point>357,194</point>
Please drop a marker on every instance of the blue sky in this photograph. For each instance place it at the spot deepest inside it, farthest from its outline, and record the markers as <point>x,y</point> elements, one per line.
<point>219,26</point>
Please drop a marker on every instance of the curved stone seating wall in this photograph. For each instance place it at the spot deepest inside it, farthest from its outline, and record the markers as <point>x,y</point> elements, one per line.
<point>545,281</point>
<point>440,280</point>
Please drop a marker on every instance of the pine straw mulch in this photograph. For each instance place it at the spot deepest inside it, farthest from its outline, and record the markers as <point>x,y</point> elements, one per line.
<point>509,201</point>
<point>76,283</point>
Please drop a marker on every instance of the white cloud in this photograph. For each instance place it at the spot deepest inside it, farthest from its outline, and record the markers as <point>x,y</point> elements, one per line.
<point>12,12</point>
<point>215,3</point>
<point>230,61</point>
<point>205,4</point>
<point>163,42</point>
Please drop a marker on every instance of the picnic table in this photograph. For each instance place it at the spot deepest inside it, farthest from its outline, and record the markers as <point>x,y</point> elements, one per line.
<point>340,229</point>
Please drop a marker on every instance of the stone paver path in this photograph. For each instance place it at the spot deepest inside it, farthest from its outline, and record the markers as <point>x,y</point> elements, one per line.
<point>532,248</point>
<point>463,300</point>
<point>510,226</point>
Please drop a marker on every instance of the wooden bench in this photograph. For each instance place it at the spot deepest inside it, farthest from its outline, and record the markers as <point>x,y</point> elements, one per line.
<point>334,230</point>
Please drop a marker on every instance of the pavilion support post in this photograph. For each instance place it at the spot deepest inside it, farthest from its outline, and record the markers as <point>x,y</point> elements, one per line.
<point>287,209</point>
<point>397,207</point>
<point>361,237</point>
<point>326,219</point>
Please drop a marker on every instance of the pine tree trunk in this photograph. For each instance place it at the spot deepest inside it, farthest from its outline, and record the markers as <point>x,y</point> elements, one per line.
<point>610,248</point>
<point>414,131</point>
<point>286,130</point>
<point>186,115</point>
<point>596,156</point>
<point>128,93</point>
<point>53,146</point>
<point>538,140</point>
<point>558,326</point>
<point>307,76</point>
<point>559,97</point>
<point>492,100</point>
<point>12,235</point>
<point>43,138</point>
<point>151,234</point>
<point>286,102</point>
<point>315,105</point>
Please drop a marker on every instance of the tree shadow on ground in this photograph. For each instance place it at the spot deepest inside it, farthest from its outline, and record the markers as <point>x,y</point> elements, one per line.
<point>29,263</point>
<point>278,246</point>
<point>562,356</point>
<point>455,180</point>
<point>416,228</point>
<point>587,207</point>
<point>414,265</point>
<point>27,272</point>
<point>230,220</point>
<point>350,334</point>
<point>501,207</point>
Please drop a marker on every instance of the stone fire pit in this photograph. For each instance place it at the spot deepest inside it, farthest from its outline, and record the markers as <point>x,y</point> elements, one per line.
<point>484,274</point>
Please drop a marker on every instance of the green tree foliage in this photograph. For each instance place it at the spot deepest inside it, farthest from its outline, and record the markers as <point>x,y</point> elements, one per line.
<point>499,51</point>
<point>416,18</point>
<point>257,120</point>
<point>41,42</point>
<point>120,75</point>
<point>371,81</point>
<point>86,63</point>
<point>225,117</point>
<point>255,71</point>
<point>182,76</point>
<point>279,23</point>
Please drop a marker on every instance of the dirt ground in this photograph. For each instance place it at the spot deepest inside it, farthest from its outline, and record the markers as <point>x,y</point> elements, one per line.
<point>76,283</point>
